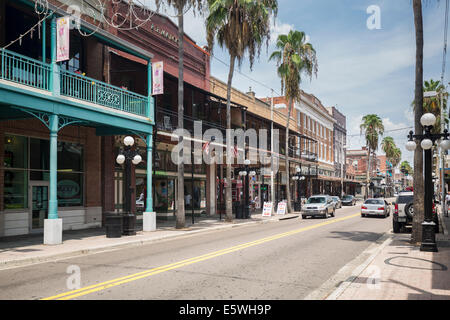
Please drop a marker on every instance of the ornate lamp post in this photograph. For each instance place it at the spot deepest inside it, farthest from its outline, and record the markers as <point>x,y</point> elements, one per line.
<point>298,177</point>
<point>427,141</point>
<point>128,156</point>
<point>246,172</point>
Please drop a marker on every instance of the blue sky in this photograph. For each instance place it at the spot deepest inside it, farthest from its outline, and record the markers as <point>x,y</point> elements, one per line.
<point>361,71</point>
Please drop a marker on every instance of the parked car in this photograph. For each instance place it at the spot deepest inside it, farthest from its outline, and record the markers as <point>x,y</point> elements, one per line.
<point>348,200</point>
<point>319,205</point>
<point>404,212</point>
<point>337,202</point>
<point>375,207</point>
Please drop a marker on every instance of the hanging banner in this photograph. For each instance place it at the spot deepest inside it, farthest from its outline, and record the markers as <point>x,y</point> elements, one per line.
<point>62,39</point>
<point>158,77</point>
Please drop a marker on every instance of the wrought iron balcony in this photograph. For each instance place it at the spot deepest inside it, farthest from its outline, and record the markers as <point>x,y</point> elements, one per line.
<point>36,74</point>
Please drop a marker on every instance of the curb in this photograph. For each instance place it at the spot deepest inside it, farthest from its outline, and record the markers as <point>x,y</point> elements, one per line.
<point>442,223</point>
<point>132,243</point>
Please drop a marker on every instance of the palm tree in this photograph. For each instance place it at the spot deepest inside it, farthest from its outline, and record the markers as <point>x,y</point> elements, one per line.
<point>180,6</point>
<point>294,57</point>
<point>391,150</point>
<point>373,128</point>
<point>240,26</point>
<point>416,235</point>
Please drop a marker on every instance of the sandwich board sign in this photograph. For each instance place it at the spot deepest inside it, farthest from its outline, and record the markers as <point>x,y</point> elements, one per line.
<point>281,209</point>
<point>267,209</point>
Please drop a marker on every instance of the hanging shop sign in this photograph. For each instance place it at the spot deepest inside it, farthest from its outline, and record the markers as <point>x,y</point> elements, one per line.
<point>267,209</point>
<point>62,39</point>
<point>281,209</point>
<point>158,77</point>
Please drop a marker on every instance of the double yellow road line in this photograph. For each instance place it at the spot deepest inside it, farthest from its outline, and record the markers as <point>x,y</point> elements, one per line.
<point>147,273</point>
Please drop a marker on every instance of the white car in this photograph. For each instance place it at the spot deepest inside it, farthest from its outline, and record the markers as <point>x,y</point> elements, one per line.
<point>320,205</point>
<point>375,207</point>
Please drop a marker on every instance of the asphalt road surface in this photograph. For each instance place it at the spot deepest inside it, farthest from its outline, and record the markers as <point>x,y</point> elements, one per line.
<point>281,260</point>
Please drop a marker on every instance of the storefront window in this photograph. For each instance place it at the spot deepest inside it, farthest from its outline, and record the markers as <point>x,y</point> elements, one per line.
<point>15,189</point>
<point>69,177</point>
<point>164,195</point>
<point>15,192</point>
<point>196,197</point>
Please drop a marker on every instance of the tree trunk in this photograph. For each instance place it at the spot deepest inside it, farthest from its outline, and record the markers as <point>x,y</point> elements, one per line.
<point>416,235</point>
<point>228,199</point>
<point>288,189</point>
<point>180,213</point>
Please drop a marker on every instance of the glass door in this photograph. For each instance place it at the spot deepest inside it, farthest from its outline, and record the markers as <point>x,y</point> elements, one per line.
<point>38,205</point>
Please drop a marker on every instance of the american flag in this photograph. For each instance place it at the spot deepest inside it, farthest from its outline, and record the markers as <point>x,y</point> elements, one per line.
<point>206,147</point>
<point>235,151</point>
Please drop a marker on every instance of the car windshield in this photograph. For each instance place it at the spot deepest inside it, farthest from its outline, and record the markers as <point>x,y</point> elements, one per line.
<point>335,198</point>
<point>316,200</point>
<point>347,198</point>
<point>374,201</point>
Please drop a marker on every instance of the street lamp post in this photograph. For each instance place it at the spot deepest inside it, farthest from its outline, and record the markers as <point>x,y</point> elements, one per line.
<point>128,156</point>
<point>298,177</point>
<point>427,141</point>
<point>246,172</point>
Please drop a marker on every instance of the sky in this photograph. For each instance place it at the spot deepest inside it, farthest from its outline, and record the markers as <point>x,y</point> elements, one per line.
<point>361,70</point>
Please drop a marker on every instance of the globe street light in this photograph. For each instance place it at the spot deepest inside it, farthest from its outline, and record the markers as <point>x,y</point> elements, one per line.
<point>128,156</point>
<point>427,141</point>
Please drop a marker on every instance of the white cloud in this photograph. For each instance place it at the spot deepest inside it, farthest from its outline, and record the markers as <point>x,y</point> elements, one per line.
<point>279,28</point>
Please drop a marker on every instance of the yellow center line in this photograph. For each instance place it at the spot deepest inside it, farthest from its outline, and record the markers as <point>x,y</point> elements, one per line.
<point>147,273</point>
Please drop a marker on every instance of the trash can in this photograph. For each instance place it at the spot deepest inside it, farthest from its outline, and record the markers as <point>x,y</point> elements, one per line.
<point>129,224</point>
<point>113,224</point>
<point>297,206</point>
<point>238,209</point>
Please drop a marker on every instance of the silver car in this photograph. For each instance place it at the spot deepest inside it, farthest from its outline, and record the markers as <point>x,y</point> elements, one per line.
<point>337,202</point>
<point>375,207</point>
<point>320,205</point>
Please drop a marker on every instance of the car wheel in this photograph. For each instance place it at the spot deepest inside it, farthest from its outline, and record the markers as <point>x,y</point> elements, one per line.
<point>303,216</point>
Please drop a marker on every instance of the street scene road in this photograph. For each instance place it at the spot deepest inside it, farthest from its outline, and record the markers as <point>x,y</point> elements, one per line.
<point>284,260</point>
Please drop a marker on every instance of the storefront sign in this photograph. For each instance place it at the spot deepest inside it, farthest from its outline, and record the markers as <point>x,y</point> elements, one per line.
<point>267,209</point>
<point>62,39</point>
<point>68,189</point>
<point>164,33</point>
<point>281,208</point>
<point>158,77</point>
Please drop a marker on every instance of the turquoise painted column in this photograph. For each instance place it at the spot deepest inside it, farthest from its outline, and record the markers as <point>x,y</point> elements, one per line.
<point>53,201</point>
<point>44,40</point>
<point>150,109</point>
<point>149,207</point>
<point>54,67</point>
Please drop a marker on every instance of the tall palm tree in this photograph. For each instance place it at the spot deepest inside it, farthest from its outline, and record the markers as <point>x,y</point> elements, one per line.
<point>294,56</point>
<point>391,150</point>
<point>241,26</point>
<point>181,6</point>
<point>416,234</point>
<point>373,128</point>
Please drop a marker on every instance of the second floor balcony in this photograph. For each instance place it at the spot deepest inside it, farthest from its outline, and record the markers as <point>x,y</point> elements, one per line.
<point>16,69</point>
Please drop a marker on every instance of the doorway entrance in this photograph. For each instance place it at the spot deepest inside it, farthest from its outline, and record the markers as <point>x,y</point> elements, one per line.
<point>38,204</point>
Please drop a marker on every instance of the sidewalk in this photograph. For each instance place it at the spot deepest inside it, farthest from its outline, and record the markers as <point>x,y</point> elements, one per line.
<point>28,249</point>
<point>400,271</point>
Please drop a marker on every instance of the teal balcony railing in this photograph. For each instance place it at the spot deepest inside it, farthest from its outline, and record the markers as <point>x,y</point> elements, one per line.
<point>34,73</point>
<point>24,70</point>
<point>80,87</point>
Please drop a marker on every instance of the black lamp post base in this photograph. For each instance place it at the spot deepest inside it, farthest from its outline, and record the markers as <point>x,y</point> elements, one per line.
<point>428,237</point>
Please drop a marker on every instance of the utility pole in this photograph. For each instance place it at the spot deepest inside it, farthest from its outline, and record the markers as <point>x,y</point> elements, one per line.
<point>272,186</point>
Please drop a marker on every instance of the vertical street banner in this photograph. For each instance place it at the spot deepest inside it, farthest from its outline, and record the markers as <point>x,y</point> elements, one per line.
<point>158,77</point>
<point>62,39</point>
